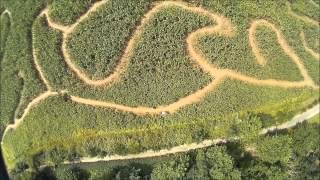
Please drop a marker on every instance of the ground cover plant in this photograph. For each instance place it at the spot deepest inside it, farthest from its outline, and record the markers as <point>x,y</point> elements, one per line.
<point>115,21</point>
<point>66,12</point>
<point>171,73</point>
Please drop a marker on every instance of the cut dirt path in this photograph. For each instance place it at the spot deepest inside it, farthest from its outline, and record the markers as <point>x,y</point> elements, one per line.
<point>6,11</point>
<point>34,102</point>
<point>206,143</point>
<point>308,20</point>
<point>301,17</point>
<point>316,55</point>
<point>223,28</point>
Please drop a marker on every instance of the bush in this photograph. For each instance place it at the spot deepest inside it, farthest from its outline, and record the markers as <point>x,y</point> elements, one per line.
<point>275,149</point>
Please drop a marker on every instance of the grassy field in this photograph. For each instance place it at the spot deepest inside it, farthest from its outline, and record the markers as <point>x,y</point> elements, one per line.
<point>210,81</point>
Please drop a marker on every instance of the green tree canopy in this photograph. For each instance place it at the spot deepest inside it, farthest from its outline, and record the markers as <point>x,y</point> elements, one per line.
<point>274,149</point>
<point>215,163</point>
<point>247,128</point>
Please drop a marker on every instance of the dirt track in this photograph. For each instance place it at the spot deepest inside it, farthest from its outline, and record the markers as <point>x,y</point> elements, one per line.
<point>6,11</point>
<point>206,143</point>
<point>302,18</point>
<point>308,20</point>
<point>316,55</point>
<point>33,103</point>
<point>223,28</point>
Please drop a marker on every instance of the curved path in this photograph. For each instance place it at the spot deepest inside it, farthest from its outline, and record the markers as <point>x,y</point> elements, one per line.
<point>316,55</point>
<point>308,20</point>
<point>206,143</point>
<point>6,11</point>
<point>223,28</point>
<point>301,17</point>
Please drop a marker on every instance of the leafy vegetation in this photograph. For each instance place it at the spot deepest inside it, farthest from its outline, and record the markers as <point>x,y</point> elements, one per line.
<point>159,72</point>
<point>5,24</point>
<point>17,62</point>
<point>275,149</point>
<point>144,77</point>
<point>98,42</point>
<point>67,11</point>
<point>306,8</point>
<point>315,119</point>
<point>228,161</point>
<point>105,132</point>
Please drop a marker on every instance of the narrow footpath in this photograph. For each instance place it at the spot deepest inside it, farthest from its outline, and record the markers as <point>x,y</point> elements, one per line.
<point>308,114</point>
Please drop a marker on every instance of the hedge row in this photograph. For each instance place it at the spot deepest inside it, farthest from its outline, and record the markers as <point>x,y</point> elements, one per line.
<point>274,157</point>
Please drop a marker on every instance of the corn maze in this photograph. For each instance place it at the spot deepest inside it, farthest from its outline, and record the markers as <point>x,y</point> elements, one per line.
<point>161,86</point>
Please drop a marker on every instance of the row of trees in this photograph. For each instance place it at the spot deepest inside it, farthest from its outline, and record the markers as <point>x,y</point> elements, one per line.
<point>290,154</point>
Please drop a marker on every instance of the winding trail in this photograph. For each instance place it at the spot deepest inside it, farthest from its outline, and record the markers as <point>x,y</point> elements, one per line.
<point>301,17</point>
<point>122,62</point>
<point>316,55</point>
<point>6,11</point>
<point>308,114</point>
<point>206,143</point>
<point>223,28</point>
<point>308,20</point>
<point>34,102</point>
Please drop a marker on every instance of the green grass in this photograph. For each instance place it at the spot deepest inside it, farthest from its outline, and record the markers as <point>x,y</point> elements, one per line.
<point>159,72</point>
<point>315,119</point>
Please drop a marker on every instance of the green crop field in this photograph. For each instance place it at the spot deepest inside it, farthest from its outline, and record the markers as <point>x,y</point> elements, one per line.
<point>97,79</point>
